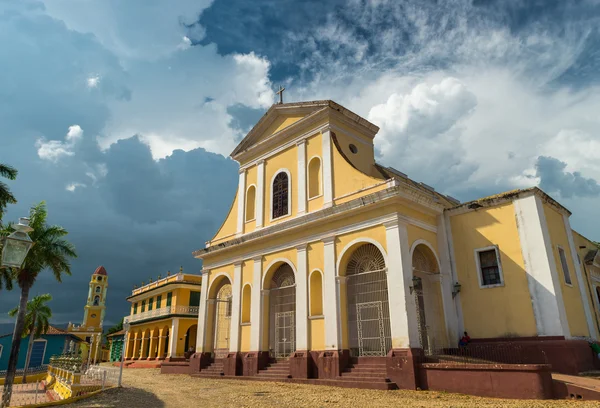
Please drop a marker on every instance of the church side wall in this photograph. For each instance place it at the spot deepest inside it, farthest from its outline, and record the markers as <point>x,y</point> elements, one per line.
<point>500,311</point>
<point>363,159</point>
<point>229,227</point>
<point>570,292</point>
<point>588,271</point>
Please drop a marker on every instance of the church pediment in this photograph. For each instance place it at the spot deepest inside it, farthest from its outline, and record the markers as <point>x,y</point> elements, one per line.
<point>285,116</point>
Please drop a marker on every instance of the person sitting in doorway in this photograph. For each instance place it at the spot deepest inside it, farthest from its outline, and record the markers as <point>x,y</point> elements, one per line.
<point>464,341</point>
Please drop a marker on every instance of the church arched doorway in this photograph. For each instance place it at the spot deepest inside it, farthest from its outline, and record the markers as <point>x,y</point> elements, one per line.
<point>282,312</point>
<point>223,320</point>
<point>369,333</point>
<point>427,292</point>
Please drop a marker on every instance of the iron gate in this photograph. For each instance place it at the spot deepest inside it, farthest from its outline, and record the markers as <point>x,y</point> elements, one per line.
<point>282,305</point>
<point>223,321</point>
<point>285,334</point>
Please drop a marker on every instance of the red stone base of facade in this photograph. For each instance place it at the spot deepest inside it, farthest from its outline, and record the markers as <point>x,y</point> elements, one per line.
<point>253,362</point>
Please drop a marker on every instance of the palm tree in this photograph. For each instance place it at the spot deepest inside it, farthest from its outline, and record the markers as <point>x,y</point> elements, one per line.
<point>36,323</point>
<point>51,251</point>
<point>6,196</point>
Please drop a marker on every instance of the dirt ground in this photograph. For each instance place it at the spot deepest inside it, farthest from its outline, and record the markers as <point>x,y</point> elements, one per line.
<point>149,389</point>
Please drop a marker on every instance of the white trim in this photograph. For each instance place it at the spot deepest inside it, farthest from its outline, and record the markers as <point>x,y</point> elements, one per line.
<point>311,238</point>
<point>260,194</point>
<point>428,245</point>
<point>246,204</point>
<point>580,279</point>
<point>241,202</point>
<point>256,313</point>
<point>559,248</point>
<point>302,299</point>
<point>365,240</point>
<point>319,317</point>
<point>236,291</point>
<point>214,279</point>
<point>477,251</point>
<point>320,178</point>
<point>273,262</point>
<point>202,314</point>
<point>301,206</point>
<point>310,294</point>
<point>331,304</point>
<point>289,212</point>
<point>452,304</point>
<point>327,168</point>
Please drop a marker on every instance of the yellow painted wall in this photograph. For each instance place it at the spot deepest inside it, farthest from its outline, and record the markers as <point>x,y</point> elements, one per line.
<point>279,124</point>
<point>588,271</point>
<point>364,158</point>
<point>229,227</point>
<point>314,148</point>
<point>416,233</point>
<point>317,334</point>
<point>287,159</point>
<point>508,309</point>
<point>571,295</point>
<point>227,269</point>
<point>251,179</point>
<point>245,338</point>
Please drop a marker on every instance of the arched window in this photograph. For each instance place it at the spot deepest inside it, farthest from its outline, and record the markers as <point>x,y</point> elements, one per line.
<point>316,293</point>
<point>98,289</point>
<point>314,177</point>
<point>96,300</point>
<point>250,203</point>
<point>246,303</point>
<point>280,195</point>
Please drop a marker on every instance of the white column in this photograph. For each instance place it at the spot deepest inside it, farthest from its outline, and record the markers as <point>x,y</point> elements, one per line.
<point>202,313</point>
<point>256,311</point>
<point>301,300</point>
<point>580,278</point>
<point>331,299</point>
<point>173,337</point>
<point>260,193</point>
<point>451,253</point>
<point>236,292</point>
<point>241,201</point>
<point>327,169</point>
<point>403,309</point>
<point>301,177</point>
<point>542,275</point>
<point>447,283</point>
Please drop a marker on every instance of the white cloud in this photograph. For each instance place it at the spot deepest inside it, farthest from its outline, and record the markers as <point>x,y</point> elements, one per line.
<point>185,43</point>
<point>73,186</point>
<point>93,81</point>
<point>54,150</point>
<point>251,85</point>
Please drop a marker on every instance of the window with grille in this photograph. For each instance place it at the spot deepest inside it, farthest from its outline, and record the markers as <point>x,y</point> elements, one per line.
<point>135,308</point>
<point>565,266</point>
<point>280,195</point>
<point>158,299</point>
<point>150,304</point>
<point>169,297</point>
<point>143,306</point>
<point>489,267</point>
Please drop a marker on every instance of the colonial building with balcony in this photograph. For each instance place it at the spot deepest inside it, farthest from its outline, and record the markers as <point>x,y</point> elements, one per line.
<point>164,318</point>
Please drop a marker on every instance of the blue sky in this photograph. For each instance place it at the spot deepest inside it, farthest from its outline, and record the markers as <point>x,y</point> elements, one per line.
<point>121,114</point>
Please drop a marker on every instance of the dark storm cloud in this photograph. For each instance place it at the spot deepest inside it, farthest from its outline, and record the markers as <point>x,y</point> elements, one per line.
<point>136,216</point>
<point>554,179</point>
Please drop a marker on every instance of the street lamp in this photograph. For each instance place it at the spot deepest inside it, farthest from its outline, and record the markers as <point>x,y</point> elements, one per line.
<point>17,245</point>
<point>126,326</point>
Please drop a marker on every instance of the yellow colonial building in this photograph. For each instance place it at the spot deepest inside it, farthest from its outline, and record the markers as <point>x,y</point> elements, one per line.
<point>327,260</point>
<point>90,330</point>
<point>163,318</point>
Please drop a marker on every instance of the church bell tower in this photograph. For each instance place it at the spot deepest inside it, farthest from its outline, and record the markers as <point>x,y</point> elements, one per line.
<point>93,315</point>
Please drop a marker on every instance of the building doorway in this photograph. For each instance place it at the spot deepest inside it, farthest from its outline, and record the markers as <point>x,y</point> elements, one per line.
<point>223,320</point>
<point>282,309</point>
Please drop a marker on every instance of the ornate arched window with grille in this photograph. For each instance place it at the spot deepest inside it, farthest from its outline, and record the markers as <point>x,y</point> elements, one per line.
<point>280,195</point>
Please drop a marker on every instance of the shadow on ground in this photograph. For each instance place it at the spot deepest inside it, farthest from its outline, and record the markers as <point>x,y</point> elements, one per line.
<point>121,397</point>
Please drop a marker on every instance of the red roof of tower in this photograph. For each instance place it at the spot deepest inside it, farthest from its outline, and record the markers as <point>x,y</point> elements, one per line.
<point>100,271</point>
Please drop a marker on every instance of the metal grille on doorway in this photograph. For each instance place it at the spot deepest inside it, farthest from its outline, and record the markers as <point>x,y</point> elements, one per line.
<point>223,321</point>
<point>282,305</point>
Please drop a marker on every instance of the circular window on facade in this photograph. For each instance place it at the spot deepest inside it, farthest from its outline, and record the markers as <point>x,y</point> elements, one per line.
<point>353,149</point>
<point>93,315</point>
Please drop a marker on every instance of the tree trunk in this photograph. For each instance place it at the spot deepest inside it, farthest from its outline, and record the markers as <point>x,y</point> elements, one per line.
<point>14,348</point>
<point>29,348</point>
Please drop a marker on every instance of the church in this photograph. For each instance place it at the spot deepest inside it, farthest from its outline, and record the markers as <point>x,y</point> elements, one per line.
<point>332,267</point>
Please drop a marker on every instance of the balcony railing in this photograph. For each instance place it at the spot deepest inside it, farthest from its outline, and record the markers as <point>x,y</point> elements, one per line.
<point>178,278</point>
<point>165,311</point>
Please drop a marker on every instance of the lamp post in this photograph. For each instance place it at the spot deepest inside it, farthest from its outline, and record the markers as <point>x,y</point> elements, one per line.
<point>14,250</point>
<point>126,326</point>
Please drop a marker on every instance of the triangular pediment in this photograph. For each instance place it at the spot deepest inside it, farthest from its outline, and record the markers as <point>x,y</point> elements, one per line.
<point>276,119</point>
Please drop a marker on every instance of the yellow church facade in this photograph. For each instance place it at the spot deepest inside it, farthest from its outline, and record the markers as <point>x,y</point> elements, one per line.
<point>327,259</point>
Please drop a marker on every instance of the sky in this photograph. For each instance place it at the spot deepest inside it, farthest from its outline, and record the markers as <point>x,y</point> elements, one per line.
<point>121,114</point>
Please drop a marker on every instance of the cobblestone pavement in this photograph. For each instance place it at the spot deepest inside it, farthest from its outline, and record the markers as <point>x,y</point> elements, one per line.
<point>149,389</point>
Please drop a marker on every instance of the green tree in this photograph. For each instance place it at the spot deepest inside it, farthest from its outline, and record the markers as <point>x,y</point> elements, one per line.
<point>50,251</point>
<point>116,327</point>
<point>36,323</point>
<point>6,196</point>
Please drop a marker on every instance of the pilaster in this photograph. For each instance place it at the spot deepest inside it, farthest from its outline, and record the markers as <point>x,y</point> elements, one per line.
<point>447,283</point>
<point>241,202</point>
<point>236,292</point>
<point>260,193</point>
<point>301,299</point>
<point>256,311</point>
<point>301,208</point>
<point>202,313</point>
<point>542,275</point>
<point>327,169</point>
<point>332,298</point>
<point>403,309</point>
<point>173,337</point>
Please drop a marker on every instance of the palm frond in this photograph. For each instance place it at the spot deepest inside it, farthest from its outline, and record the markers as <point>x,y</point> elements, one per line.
<point>8,172</point>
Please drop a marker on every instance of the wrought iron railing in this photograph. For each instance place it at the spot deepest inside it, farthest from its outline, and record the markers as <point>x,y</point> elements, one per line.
<point>165,311</point>
<point>498,353</point>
